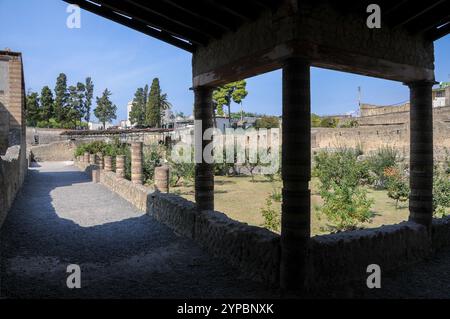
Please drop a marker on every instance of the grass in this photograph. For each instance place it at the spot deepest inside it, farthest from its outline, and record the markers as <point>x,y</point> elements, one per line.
<point>241,199</point>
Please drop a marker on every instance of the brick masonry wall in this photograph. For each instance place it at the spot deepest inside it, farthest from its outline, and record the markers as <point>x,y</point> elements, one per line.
<point>334,259</point>
<point>13,166</point>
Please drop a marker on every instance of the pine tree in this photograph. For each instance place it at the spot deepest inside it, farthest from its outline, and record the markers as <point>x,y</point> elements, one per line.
<point>105,110</point>
<point>137,114</point>
<point>61,96</point>
<point>89,85</point>
<point>47,104</point>
<point>33,111</point>
<point>224,95</point>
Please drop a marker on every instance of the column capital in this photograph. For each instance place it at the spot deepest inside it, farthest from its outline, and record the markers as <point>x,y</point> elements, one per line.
<point>203,88</point>
<point>420,83</point>
<point>296,60</point>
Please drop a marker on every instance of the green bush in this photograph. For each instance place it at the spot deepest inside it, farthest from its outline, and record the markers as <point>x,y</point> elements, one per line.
<point>180,171</point>
<point>396,184</point>
<point>346,206</point>
<point>153,157</point>
<point>341,176</point>
<point>272,219</point>
<point>377,162</point>
<point>341,167</point>
<point>441,192</point>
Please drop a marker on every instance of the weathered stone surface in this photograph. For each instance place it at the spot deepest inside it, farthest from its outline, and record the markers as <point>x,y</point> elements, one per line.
<point>253,249</point>
<point>13,167</point>
<point>134,193</point>
<point>440,233</point>
<point>174,211</point>
<point>55,151</point>
<point>333,259</point>
<point>343,257</point>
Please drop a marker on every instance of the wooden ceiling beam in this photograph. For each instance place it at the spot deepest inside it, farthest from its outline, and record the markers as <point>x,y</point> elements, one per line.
<point>131,23</point>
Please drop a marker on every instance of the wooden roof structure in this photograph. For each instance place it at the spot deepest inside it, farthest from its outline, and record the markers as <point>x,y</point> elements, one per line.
<point>188,24</point>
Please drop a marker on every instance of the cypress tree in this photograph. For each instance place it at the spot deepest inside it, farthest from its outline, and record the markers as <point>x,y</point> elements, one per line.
<point>47,104</point>
<point>89,85</point>
<point>61,96</point>
<point>137,114</point>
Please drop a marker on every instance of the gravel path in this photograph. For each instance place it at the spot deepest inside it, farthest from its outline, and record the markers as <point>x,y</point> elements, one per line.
<point>61,218</point>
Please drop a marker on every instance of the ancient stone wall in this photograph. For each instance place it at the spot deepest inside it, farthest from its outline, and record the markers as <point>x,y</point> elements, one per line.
<point>44,135</point>
<point>55,151</point>
<point>13,155</point>
<point>440,114</point>
<point>336,258</point>
<point>370,138</point>
<point>12,173</point>
<point>370,109</point>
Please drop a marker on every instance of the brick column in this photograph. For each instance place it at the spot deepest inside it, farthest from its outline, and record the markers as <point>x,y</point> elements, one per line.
<point>296,174</point>
<point>136,163</point>
<point>162,178</point>
<point>100,160</point>
<point>204,172</point>
<point>86,157</point>
<point>120,166</point>
<point>96,175</point>
<point>108,163</point>
<point>91,158</point>
<point>421,153</point>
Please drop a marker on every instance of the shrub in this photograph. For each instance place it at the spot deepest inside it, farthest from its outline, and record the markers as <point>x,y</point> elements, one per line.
<point>441,192</point>
<point>153,157</point>
<point>181,171</point>
<point>341,175</point>
<point>397,184</point>
<point>377,162</point>
<point>346,206</point>
<point>339,167</point>
<point>272,219</point>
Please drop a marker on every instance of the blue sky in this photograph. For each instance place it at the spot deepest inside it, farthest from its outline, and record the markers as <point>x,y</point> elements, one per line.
<point>122,60</point>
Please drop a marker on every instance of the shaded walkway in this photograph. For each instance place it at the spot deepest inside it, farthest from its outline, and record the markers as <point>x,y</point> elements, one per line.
<point>61,218</point>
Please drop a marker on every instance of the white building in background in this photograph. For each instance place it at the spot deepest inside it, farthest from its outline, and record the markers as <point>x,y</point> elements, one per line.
<point>99,126</point>
<point>129,106</point>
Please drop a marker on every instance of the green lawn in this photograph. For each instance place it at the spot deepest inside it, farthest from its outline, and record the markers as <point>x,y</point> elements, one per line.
<point>242,200</point>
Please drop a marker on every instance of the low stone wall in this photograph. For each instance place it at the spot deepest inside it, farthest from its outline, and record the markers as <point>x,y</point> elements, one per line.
<point>44,135</point>
<point>343,257</point>
<point>13,167</point>
<point>335,259</point>
<point>440,236</point>
<point>55,151</point>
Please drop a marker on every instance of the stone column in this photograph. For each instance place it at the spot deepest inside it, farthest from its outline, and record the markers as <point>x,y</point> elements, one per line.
<point>86,157</point>
<point>100,160</point>
<point>120,166</point>
<point>96,175</point>
<point>136,163</point>
<point>162,178</point>
<point>204,172</point>
<point>296,174</point>
<point>91,158</point>
<point>108,163</point>
<point>421,153</point>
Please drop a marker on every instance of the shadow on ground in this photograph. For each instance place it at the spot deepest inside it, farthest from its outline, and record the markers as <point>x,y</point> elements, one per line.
<point>61,218</point>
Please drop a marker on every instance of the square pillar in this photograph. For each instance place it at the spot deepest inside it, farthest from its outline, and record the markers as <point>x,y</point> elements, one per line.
<point>296,174</point>
<point>204,172</point>
<point>421,153</point>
